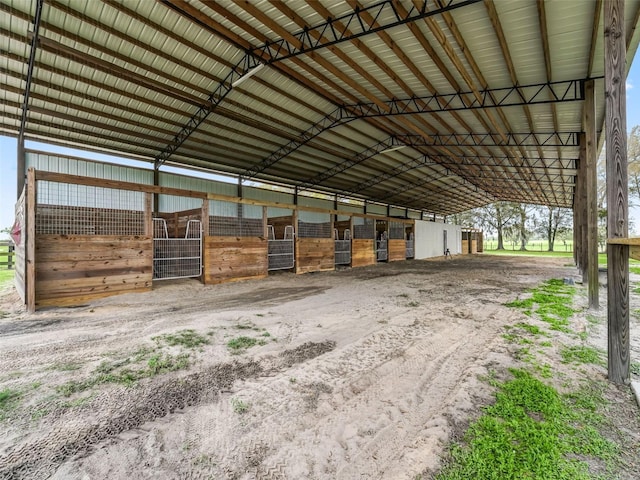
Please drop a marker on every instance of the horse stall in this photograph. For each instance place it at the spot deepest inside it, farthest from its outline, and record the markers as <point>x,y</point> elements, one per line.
<point>397,244</point>
<point>236,245</point>
<point>342,236</point>
<point>90,242</point>
<point>382,240</point>
<point>363,251</point>
<point>315,245</point>
<point>281,239</point>
<point>177,242</point>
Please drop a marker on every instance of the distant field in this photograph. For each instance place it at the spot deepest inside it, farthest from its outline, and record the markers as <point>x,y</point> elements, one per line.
<point>534,246</point>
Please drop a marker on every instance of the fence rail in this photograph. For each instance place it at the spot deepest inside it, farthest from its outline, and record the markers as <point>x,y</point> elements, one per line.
<point>7,254</point>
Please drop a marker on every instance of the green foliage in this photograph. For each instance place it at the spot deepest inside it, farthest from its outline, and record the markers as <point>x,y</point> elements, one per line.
<point>239,406</point>
<point>551,301</point>
<point>9,398</point>
<point>581,354</point>
<point>530,432</point>
<point>241,343</point>
<point>187,338</point>
<point>635,368</point>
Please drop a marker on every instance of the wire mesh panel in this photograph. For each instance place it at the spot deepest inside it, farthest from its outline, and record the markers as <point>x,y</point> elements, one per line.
<point>66,209</point>
<point>396,230</point>
<point>314,225</point>
<point>364,228</point>
<point>178,257</point>
<point>230,219</point>
<point>343,252</point>
<point>281,254</point>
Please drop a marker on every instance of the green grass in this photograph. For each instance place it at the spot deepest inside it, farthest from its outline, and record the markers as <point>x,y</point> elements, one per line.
<point>239,406</point>
<point>187,338</point>
<point>530,432</point>
<point>8,400</point>
<point>551,301</point>
<point>6,277</point>
<point>239,344</point>
<point>582,354</point>
<point>635,368</point>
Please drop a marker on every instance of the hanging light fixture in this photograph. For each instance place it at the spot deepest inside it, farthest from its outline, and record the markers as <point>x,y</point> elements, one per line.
<point>248,75</point>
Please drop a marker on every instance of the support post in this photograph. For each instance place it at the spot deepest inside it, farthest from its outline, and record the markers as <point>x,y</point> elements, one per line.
<point>617,194</point>
<point>156,182</point>
<point>148,214</point>
<point>30,253</point>
<point>591,189</point>
<point>21,166</point>
<point>204,220</point>
<point>581,210</point>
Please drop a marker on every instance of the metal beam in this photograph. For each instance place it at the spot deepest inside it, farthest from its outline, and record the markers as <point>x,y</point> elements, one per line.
<point>385,15</point>
<point>25,102</point>
<point>566,91</point>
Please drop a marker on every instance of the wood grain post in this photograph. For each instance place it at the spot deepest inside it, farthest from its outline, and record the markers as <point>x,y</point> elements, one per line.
<point>204,220</point>
<point>30,253</point>
<point>148,214</point>
<point>580,210</point>
<point>617,194</point>
<point>591,192</point>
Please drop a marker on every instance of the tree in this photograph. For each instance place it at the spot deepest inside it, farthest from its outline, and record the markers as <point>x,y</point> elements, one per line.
<point>497,217</point>
<point>553,221</point>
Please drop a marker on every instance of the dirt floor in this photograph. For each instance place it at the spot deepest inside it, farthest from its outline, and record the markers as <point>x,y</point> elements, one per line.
<point>362,373</point>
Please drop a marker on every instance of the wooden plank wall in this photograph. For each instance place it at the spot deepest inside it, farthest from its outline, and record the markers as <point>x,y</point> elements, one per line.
<point>228,259</point>
<point>397,250</point>
<point>72,269</point>
<point>465,247</point>
<point>20,250</point>
<point>474,245</point>
<point>362,253</point>
<point>315,255</point>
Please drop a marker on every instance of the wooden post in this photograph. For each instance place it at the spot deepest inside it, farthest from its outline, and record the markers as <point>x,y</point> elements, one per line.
<point>581,211</point>
<point>617,194</point>
<point>204,221</point>
<point>294,221</point>
<point>148,214</point>
<point>265,222</point>
<point>30,253</point>
<point>591,189</point>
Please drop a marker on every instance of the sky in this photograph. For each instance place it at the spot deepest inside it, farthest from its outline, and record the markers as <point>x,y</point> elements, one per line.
<point>8,153</point>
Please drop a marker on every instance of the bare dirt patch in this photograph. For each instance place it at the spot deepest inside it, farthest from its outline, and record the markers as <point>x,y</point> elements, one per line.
<point>358,373</point>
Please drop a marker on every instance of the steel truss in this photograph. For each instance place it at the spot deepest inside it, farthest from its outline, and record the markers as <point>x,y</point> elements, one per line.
<point>309,39</point>
<point>551,92</point>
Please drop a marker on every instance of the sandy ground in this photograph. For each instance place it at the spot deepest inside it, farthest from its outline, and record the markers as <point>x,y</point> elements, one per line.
<point>360,374</point>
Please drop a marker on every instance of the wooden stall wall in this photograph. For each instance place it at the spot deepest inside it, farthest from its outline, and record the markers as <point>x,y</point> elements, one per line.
<point>465,247</point>
<point>363,252</point>
<point>72,269</point>
<point>228,259</point>
<point>397,250</point>
<point>315,255</point>
<point>20,234</point>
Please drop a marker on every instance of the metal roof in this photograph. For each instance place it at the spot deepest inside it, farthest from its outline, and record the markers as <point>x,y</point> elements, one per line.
<point>436,105</point>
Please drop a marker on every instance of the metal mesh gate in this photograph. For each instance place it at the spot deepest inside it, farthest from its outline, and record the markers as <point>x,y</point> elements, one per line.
<point>177,257</point>
<point>343,248</point>
<point>381,248</point>
<point>410,247</point>
<point>281,251</point>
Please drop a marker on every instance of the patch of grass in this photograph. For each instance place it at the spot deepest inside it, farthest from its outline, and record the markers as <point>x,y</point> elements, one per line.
<point>551,301</point>
<point>532,329</point>
<point>241,343</point>
<point>635,368</point>
<point>581,354</point>
<point>65,367</point>
<point>546,344</point>
<point>413,304</point>
<point>530,432</point>
<point>403,295</point>
<point>187,338</point>
<point>115,372</point>
<point>635,270</point>
<point>239,406</point>
<point>9,398</point>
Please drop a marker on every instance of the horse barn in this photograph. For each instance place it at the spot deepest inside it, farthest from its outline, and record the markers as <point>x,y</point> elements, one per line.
<point>348,133</point>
